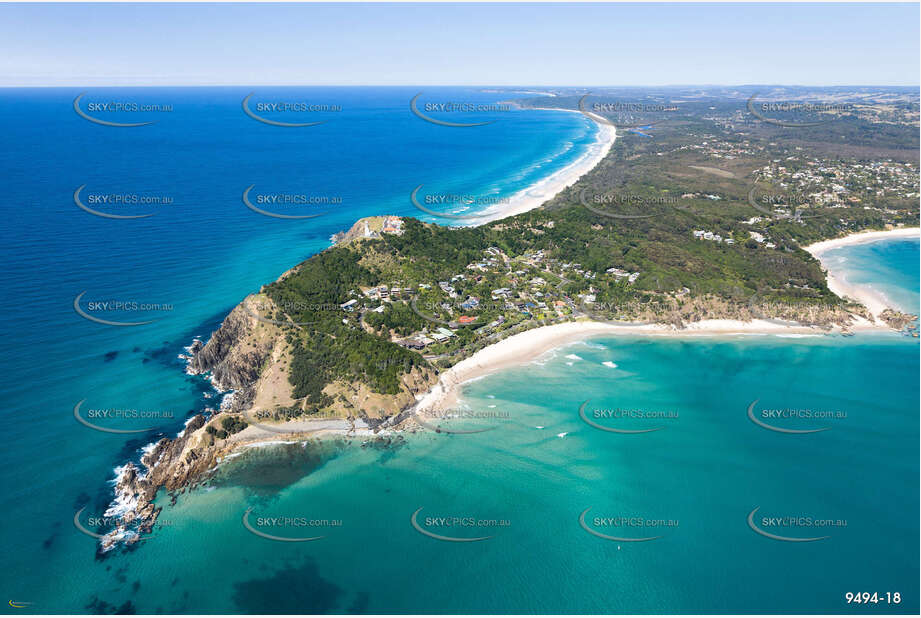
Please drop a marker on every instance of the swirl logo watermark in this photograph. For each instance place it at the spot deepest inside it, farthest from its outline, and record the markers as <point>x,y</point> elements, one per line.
<point>279,107</point>
<point>460,306</point>
<point>608,414</point>
<point>779,205</point>
<point>116,307</point>
<point>455,522</point>
<point>792,522</point>
<point>289,429</point>
<point>424,416</point>
<point>454,107</point>
<point>762,110</point>
<point>120,415</point>
<point>603,203</point>
<point>254,308</point>
<point>625,107</point>
<point>119,107</point>
<point>625,523</point>
<point>106,521</point>
<point>259,525</point>
<point>286,200</point>
<point>779,414</point>
<point>119,201</point>
<point>455,200</point>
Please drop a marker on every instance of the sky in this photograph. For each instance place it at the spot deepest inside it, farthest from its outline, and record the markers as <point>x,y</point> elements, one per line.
<point>459,44</point>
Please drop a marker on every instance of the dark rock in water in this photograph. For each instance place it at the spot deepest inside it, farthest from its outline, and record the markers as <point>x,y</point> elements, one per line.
<point>135,349</point>
<point>81,501</point>
<point>306,592</point>
<point>47,543</point>
<point>110,356</point>
<point>98,606</point>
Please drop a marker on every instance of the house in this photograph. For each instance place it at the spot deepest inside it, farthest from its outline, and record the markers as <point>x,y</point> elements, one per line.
<point>472,302</point>
<point>412,344</point>
<point>349,306</point>
<point>393,225</point>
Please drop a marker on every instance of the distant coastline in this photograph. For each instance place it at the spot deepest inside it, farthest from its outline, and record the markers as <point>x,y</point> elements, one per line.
<point>191,456</point>
<point>547,188</point>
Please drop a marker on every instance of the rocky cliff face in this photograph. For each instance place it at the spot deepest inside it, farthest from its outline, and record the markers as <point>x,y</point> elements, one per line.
<point>236,352</point>
<point>171,463</point>
<point>246,354</point>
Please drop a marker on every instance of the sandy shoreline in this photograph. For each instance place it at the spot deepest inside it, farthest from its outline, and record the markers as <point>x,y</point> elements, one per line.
<point>837,281</point>
<point>862,238</point>
<point>526,346</point>
<point>523,347</point>
<point>547,188</point>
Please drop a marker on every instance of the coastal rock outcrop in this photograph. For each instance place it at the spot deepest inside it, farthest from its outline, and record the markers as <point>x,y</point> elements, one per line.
<point>235,354</point>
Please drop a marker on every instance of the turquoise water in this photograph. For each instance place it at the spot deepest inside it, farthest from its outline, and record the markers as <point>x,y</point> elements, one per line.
<point>707,469</point>
<point>886,266</point>
<point>536,469</point>
<point>199,255</point>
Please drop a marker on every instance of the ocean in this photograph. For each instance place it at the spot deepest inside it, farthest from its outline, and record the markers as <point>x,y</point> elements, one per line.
<point>523,483</point>
<point>887,267</point>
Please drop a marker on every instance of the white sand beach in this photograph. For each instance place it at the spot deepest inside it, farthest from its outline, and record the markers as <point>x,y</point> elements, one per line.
<point>837,282</point>
<point>545,189</point>
<point>526,346</point>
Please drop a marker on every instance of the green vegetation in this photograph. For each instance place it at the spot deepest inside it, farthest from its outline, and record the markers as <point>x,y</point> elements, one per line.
<point>685,243</point>
<point>229,426</point>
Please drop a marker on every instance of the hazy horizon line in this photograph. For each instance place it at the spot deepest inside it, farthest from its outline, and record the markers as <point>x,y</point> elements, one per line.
<point>410,85</point>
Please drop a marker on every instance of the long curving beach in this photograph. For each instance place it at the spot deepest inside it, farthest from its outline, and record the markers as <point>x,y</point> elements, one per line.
<point>838,283</point>
<point>546,188</point>
<point>526,346</point>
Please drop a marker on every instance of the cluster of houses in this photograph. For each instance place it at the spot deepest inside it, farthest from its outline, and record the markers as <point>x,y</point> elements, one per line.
<point>524,292</point>
<point>427,338</point>
<point>705,235</point>
<point>843,183</point>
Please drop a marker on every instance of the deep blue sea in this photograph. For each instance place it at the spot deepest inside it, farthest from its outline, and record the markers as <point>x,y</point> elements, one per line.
<point>524,483</point>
